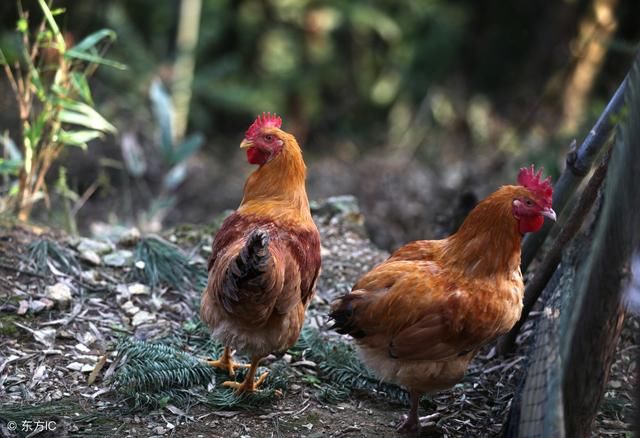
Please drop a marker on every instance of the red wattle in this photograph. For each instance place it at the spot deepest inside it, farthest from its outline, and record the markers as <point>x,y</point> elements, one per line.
<point>257,156</point>
<point>530,224</point>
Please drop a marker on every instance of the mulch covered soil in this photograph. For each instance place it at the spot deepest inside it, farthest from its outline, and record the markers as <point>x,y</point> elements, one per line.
<point>58,328</point>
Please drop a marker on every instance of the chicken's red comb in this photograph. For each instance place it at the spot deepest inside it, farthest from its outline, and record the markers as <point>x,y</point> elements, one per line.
<point>528,178</point>
<point>263,121</point>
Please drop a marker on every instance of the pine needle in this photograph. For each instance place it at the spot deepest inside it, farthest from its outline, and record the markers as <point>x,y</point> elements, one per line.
<point>154,374</point>
<point>271,389</point>
<point>166,263</point>
<point>341,370</point>
<point>152,371</point>
<point>44,252</point>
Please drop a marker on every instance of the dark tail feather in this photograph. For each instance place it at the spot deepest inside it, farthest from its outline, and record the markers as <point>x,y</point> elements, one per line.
<point>251,262</point>
<point>343,315</point>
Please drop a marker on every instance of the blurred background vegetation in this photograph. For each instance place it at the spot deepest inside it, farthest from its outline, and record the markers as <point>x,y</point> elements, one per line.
<point>417,107</point>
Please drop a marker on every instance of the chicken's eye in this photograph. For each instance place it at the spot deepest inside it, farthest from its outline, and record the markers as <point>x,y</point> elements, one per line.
<point>529,202</point>
<point>268,138</point>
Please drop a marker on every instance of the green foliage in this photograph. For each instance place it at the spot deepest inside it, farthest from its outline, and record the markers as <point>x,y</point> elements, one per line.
<point>86,50</point>
<point>55,107</point>
<point>174,154</point>
<point>166,263</point>
<point>153,374</point>
<point>10,167</point>
<point>273,387</point>
<point>45,254</point>
<point>345,62</point>
<point>12,164</point>
<point>150,367</point>
<point>341,370</point>
<point>68,196</point>
<point>198,337</point>
<point>375,51</point>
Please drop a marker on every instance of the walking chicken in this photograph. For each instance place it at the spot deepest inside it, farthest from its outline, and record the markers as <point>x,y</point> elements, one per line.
<point>266,256</point>
<point>421,316</point>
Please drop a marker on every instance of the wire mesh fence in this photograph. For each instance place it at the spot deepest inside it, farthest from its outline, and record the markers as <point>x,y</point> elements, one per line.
<point>537,408</point>
<point>582,314</point>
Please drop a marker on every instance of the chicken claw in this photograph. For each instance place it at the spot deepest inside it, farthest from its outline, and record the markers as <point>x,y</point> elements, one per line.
<point>409,424</point>
<point>227,363</point>
<point>413,424</point>
<point>247,385</point>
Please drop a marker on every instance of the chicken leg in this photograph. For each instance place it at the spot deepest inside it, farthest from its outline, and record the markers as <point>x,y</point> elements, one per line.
<point>249,384</point>
<point>411,422</point>
<point>227,363</point>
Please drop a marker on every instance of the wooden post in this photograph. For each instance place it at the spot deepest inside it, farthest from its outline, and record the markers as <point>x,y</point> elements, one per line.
<point>579,161</point>
<point>597,313</point>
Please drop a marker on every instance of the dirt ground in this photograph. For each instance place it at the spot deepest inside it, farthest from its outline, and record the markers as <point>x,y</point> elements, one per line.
<point>49,351</point>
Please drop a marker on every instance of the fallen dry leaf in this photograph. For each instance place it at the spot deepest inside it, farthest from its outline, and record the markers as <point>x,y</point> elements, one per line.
<point>96,370</point>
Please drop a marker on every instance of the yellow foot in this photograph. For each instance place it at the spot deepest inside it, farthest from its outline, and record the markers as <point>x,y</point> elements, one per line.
<point>227,364</point>
<point>247,385</point>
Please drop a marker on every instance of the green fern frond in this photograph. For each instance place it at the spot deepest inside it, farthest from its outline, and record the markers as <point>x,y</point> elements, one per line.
<point>161,398</point>
<point>154,366</point>
<point>334,393</point>
<point>272,388</point>
<point>147,351</point>
<point>166,263</point>
<point>198,337</point>
<point>153,374</point>
<point>45,251</point>
<point>341,369</point>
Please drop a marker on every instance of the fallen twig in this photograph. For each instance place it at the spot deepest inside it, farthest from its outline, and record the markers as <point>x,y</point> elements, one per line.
<point>97,369</point>
<point>21,271</point>
<point>11,360</point>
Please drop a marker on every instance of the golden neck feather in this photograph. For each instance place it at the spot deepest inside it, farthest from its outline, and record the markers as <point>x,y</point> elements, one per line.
<point>488,242</point>
<point>277,188</point>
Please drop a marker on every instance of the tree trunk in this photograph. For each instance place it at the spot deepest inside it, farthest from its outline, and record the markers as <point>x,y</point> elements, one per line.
<point>590,47</point>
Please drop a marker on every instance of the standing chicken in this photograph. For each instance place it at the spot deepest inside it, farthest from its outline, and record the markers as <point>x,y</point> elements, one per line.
<point>266,256</point>
<point>421,316</point>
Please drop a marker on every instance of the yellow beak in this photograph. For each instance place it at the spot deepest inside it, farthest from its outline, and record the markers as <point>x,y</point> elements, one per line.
<point>246,144</point>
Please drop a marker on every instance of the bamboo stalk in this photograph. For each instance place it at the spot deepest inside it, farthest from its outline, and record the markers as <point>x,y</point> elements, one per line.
<point>187,40</point>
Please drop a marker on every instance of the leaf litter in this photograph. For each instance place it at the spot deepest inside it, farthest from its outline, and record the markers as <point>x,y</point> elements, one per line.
<point>70,324</point>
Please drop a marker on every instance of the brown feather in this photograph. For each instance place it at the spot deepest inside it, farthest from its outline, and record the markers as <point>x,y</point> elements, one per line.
<point>420,316</point>
<point>266,313</point>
